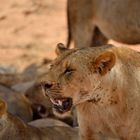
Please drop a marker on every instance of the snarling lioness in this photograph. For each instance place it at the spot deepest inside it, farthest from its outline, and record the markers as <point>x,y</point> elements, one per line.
<point>93,22</point>
<point>104,85</point>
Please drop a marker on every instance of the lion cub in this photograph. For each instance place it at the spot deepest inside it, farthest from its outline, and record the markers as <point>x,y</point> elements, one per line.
<point>104,85</point>
<point>12,128</point>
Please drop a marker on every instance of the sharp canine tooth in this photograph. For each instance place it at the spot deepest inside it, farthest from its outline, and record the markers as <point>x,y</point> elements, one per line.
<point>53,101</point>
<point>59,102</point>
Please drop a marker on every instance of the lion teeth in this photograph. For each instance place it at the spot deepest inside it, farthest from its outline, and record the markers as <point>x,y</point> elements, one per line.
<point>53,101</point>
<point>60,102</point>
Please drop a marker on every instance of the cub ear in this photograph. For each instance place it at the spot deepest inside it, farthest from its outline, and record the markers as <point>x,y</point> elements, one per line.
<point>60,48</point>
<point>3,107</point>
<point>104,62</point>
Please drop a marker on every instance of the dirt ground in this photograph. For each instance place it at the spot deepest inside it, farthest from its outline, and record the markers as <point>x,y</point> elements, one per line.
<point>30,30</point>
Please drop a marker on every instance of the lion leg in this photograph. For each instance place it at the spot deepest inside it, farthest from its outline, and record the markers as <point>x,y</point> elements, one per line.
<point>80,25</point>
<point>83,36</point>
<point>82,33</point>
<point>88,37</point>
<point>98,38</point>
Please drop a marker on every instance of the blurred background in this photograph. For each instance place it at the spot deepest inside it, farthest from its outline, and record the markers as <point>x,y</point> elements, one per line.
<point>29,33</point>
<point>30,30</point>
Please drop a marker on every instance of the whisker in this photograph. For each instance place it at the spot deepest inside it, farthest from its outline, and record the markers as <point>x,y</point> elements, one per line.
<point>55,91</point>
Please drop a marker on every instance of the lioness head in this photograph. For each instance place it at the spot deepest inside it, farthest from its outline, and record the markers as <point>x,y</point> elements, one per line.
<point>75,75</point>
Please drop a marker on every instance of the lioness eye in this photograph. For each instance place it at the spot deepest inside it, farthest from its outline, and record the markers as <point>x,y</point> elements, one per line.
<point>68,71</point>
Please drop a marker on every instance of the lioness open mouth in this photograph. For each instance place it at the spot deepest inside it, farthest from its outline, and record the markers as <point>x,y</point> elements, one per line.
<point>62,105</point>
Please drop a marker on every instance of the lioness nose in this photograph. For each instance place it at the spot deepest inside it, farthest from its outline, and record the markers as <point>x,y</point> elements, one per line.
<point>48,85</point>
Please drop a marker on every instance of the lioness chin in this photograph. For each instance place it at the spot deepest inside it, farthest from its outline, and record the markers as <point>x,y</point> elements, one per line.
<point>104,85</point>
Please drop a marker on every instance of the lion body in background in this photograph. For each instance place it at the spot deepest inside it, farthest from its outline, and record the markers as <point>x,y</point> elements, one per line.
<point>93,22</point>
<point>13,128</point>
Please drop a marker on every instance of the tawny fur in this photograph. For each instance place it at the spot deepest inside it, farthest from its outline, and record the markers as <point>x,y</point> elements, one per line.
<point>12,128</point>
<point>18,104</point>
<point>107,97</point>
<point>93,22</point>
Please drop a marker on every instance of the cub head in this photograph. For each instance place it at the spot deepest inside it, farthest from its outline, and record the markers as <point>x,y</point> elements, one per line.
<point>75,74</point>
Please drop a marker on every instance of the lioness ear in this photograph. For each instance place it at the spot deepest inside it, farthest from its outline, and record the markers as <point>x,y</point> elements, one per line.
<point>60,48</point>
<point>3,107</point>
<point>104,62</point>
